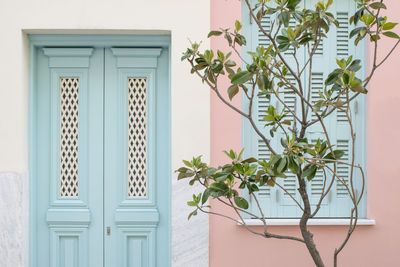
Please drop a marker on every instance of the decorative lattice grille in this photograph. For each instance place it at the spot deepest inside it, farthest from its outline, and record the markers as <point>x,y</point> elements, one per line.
<point>69,97</point>
<point>137,182</point>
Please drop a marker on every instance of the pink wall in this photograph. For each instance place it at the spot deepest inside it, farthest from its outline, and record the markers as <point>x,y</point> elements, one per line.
<point>370,246</point>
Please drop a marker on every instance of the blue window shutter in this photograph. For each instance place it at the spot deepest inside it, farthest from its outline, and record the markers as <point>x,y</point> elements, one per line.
<point>275,202</point>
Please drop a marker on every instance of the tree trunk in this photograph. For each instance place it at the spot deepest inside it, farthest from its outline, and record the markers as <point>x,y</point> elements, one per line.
<point>307,235</point>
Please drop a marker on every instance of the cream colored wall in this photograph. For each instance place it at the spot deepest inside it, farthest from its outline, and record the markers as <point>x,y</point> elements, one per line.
<point>100,16</point>
<point>190,101</point>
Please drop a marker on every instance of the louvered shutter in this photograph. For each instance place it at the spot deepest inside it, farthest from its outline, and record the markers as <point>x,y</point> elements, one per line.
<point>266,195</point>
<point>275,202</point>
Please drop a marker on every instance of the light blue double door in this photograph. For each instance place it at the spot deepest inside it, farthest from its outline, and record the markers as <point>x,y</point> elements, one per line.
<point>101,157</point>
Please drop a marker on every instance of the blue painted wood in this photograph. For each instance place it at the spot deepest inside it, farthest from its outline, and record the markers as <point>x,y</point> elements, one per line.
<point>69,251</point>
<point>123,213</point>
<point>59,225</point>
<point>137,217</point>
<point>273,201</point>
<point>137,57</point>
<point>135,252</point>
<point>99,40</point>
<point>131,254</point>
<point>67,246</point>
<point>56,216</point>
<point>68,57</point>
<point>68,216</point>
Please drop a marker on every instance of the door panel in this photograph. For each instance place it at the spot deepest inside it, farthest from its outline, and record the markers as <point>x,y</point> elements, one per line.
<point>131,210</point>
<point>103,169</point>
<point>69,157</point>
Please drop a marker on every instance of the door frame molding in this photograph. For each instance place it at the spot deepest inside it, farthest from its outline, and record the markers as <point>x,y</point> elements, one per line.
<point>95,40</point>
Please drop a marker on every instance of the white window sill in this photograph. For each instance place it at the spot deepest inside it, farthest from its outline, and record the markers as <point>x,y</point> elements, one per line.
<point>288,222</point>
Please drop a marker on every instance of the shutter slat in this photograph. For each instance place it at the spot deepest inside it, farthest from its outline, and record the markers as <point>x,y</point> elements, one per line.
<point>341,114</point>
<point>290,51</point>
<point>317,84</point>
<point>320,48</point>
<point>266,24</point>
<point>317,184</point>
<point>289,96</point>
<point>342,34</point>
<point>343,170</point>
<point>263,104</point>
<point>264,154</point>
<point>290,184</point>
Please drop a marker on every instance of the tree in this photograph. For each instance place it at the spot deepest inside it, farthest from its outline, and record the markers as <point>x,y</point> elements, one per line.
<point>265,76</point>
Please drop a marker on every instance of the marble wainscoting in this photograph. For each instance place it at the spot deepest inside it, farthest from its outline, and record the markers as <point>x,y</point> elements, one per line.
<point>189,238</point>
<point>190,246</point>
<point>11,223</point>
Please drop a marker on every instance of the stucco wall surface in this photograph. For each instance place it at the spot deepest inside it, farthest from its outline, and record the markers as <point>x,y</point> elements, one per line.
<point>370,246</point>
<point>190,99</point>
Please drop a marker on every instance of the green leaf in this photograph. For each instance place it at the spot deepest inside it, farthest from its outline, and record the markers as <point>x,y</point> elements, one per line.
<point>206,195</point>
<point>355,31</point>
<point>249,160</point>
<point>355,65</point>
<point>284,18</point>
<point>241,202</point>
<point>378,5</point>
<point>264,82</point>
<point>221,177</point>
<point>346,78</point>
<point>188,163</point>
<point>184,170</point>
<point>219,187</point>
<point>214,33</point>
<point>309,171</point>
<point>333,77</point>
<point>391,35</point>
<point>238,25</point>
<point>292,4</point>
<point>192,203</point>
<point>254,188</point>
<point>193,213</point>
<point>184,175</point>
<point>388,26</point>
<point>220,55</point>
<point>240,154</point>
<point>282,39</point>
<point>349,59</point>
<point>233,90</point>
<point>282,165</point>
<point>338,154</point>
<point>341,63</point>
<point>231,154</point>
<point>230,63</point>
<point>228,37</point>
<point>293,165</point>
<point>241,77</point>
<point>359,89</point>
<point>291,33</point>
<point>269,118</point>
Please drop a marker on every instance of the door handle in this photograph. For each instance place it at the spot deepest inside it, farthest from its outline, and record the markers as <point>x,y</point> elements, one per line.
<point>108,230</point>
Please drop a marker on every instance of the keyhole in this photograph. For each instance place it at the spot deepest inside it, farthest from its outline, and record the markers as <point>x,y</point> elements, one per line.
<point>108,230</point>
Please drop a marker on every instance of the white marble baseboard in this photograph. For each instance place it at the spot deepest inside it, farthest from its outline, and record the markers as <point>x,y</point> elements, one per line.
<point>189,238</point>
<point>11,232</point>
<point>190,247</point>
